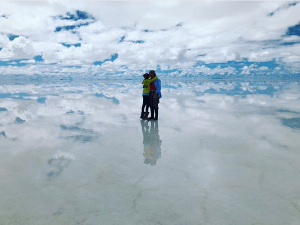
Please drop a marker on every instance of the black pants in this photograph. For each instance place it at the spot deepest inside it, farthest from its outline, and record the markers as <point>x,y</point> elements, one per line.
<point>146,103</point>
<point>153,101</point>
<point>154,104</point>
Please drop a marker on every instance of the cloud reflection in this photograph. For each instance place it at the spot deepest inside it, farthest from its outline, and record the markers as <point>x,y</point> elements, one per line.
<point>220,146</point>
<point>59,162</point>
<point>73,112</point>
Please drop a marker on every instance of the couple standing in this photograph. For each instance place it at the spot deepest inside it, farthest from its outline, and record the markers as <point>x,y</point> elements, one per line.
<point>151,95</point>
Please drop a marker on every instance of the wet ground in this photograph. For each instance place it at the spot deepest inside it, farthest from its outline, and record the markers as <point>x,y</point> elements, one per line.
<point>220,153</point>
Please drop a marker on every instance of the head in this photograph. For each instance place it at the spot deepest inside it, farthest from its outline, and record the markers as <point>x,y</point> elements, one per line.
<point>146,75</point>
<point>152,73</point>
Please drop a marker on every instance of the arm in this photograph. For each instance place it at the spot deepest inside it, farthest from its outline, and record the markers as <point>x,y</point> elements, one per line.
<point>149,81</point>
<point>144,85</point>
<point>153,79</point>
<point>158,88</point>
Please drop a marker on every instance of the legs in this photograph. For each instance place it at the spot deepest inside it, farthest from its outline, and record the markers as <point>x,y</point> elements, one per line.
<point>146,100</point>
<point>152,113</point>
<point>156,114</point>
<point>154,106</point>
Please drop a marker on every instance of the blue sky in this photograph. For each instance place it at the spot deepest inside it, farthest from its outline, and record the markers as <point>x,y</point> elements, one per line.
<point>176,38</point>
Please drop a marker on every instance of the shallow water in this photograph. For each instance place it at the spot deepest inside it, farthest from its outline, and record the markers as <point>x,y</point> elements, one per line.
<point>220,153</point>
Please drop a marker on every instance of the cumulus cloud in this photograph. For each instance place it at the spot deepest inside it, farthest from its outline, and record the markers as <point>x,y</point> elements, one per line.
<point>253,68</point>
<point>149,34</point>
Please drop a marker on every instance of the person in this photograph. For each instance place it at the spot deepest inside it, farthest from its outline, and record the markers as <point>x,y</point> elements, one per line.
<point>146,98</point>
<point>155,95</point>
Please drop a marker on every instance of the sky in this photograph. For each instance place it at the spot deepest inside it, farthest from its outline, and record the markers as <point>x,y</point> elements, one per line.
<point>176,38</point>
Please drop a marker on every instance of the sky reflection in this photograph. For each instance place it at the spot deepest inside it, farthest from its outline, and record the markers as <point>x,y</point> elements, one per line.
<point>81,113</point>
<point>212,141</point>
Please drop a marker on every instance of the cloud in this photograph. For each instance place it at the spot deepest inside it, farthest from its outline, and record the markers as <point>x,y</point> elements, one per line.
<point>149,34</point>
<point>263,68</point>
<point>28,61</point>
<point>253,69</point>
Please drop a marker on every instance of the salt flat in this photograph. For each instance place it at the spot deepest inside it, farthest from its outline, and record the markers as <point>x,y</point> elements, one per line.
<point>221,153</point>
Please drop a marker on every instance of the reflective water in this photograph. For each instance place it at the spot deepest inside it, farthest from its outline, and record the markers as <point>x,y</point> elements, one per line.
<point>221,153</point>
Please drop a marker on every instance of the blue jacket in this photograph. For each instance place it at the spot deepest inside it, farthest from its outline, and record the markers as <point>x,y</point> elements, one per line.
<point>157,85</point>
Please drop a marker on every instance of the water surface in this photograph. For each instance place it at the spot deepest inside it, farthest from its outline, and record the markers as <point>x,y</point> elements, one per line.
<point>220,153</point>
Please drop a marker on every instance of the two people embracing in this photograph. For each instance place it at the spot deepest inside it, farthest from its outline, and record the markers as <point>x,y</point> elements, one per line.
<point>151,95</point>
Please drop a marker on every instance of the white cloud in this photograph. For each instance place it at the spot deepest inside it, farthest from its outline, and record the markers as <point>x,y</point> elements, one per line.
<point>217,70</point>
<point>213,32</point>
<point>28,61</point>
<point>263,68</point>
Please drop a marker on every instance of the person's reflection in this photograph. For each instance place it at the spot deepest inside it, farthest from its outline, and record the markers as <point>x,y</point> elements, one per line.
<point>151,141</point>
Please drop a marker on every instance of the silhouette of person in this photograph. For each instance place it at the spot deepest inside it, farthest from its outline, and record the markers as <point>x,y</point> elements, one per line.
<point>151,142</point>
<point>155,95</point>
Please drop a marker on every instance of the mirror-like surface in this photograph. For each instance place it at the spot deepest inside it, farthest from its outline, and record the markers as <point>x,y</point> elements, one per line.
<point>220,153</point>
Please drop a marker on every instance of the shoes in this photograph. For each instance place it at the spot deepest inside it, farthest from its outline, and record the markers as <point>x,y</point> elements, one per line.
<point>142,115</point>
<point>145,117</point>
<point>151,118</point>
